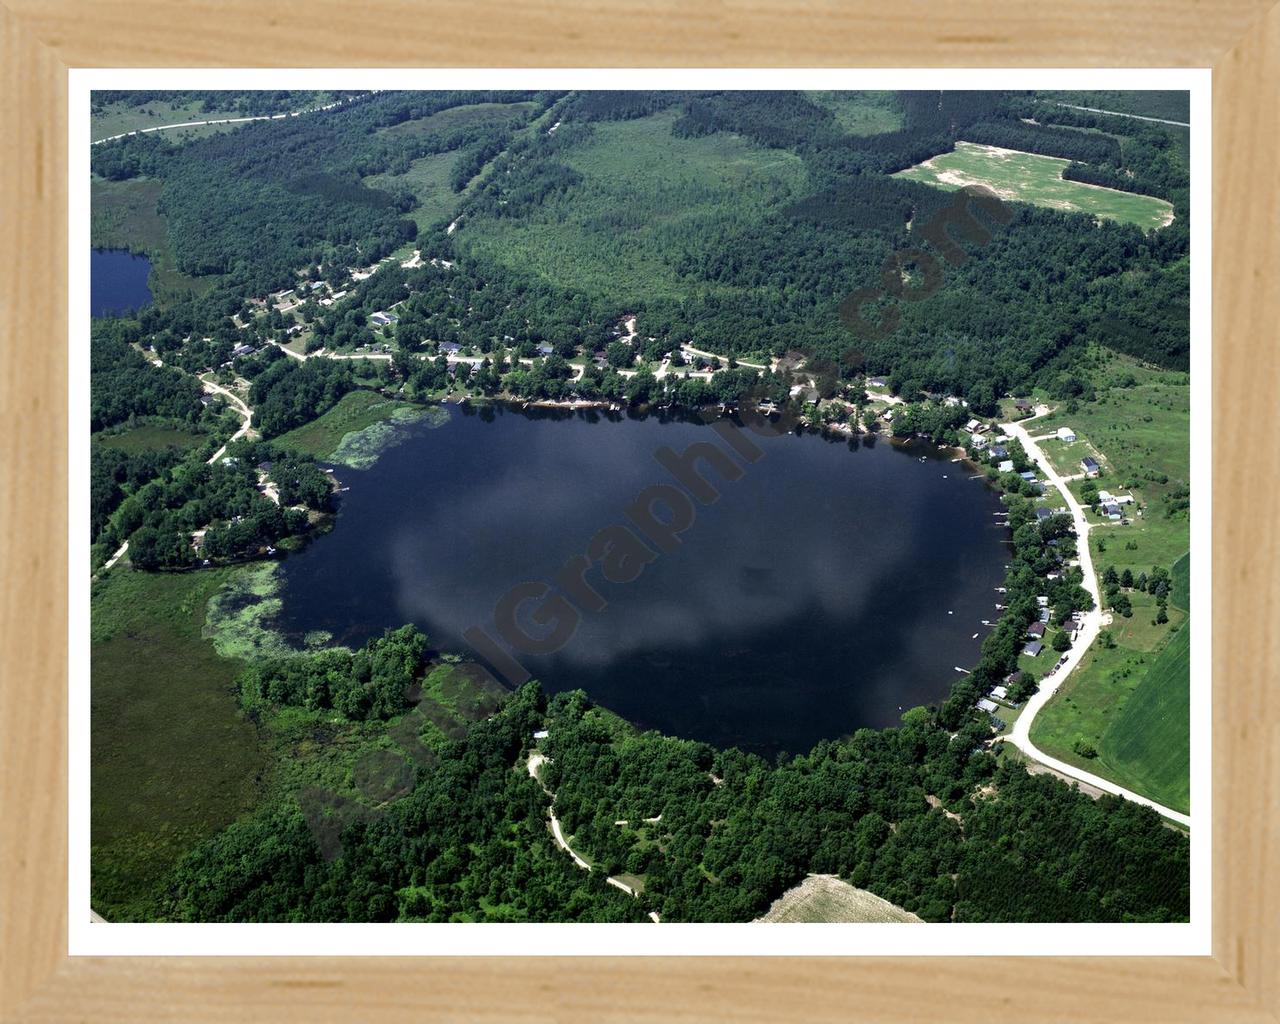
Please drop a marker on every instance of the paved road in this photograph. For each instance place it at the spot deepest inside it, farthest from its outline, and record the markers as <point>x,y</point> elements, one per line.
<point>1135,117</point>
<point>1020,737</point>
<point>229,120</point>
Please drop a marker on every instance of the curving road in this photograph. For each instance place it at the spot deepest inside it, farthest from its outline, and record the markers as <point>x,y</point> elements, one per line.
<point>1020,736</point>
<point>232,120</point>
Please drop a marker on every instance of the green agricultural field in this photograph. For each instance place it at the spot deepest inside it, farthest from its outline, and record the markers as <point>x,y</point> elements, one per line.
<point>1134,708</point>
<point>1131,702</point>
<point>150,437</point>
<point>642,189</point>
<point>861,113</point>
<point>1029,178</point>
<point>126,215</point>
<point>172,760</point>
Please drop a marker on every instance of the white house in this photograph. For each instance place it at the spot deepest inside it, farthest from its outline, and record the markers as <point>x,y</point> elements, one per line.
<point>979,441</point>
<point>1006,466</point>
<point>1066,434</point>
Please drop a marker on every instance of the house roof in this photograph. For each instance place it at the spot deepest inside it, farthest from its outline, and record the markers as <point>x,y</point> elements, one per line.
<point>1033,648</point>
<point>1035,629</point>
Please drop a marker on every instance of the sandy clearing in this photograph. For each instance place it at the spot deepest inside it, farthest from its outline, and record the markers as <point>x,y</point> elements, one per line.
<point>830,899</point>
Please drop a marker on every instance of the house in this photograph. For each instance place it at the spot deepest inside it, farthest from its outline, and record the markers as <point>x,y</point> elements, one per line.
<point>1042,601</point>
<point>1044,615</point>
<point>1090,467</point>
<point>1066,434</point>
<point>877,382</point>
<point>1029,476</point>
<point>1036,630</point>
<point>979,442</point>
<point>975,426</point>
<point>449,348</point>
<point>1033,649</point>
<point>989,706</point>
<point>544,349</point>
<point>1022,405</point>
<point>243,350</point>
<point>381,319</point>
<point>888,416</point>
<point>1000,693</point>
<point>1006,466</point>
<point>541,734</point>
<point>1043,513</point>
<point>999,451</point>
<point>1112,511</point>
<point>1122,499</point>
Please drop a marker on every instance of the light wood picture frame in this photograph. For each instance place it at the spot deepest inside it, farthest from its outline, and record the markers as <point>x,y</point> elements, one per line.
<point>41,39</point>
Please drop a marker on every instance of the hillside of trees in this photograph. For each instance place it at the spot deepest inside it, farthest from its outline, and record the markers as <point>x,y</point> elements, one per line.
<point>732,832</point>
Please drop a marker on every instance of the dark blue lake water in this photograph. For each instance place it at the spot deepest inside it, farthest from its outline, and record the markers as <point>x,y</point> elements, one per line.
<point>827,589</point>
<point>117,282</point>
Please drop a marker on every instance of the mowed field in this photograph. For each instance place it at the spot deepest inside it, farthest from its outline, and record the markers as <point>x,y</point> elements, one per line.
<point>1131,702</point>
<point>828,899</point>
<point>643,191</point>
<point>1030,178</point>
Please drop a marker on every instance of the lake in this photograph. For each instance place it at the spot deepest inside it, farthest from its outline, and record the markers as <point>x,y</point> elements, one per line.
<point>117,282</point>
<point>828,588</point>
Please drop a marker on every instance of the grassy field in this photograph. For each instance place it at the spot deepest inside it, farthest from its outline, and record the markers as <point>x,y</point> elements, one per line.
<point>171,758</point>
<point>125,215</point>
<point>1029,178</point>
<point>117,118</point>
<point>863,112</point>
<point>454,117</point>
<point>1131,701</point>
<point>356,411</point>
<point>150,437</point>
<point>428,179</point>
<point>642,189</point>
<point>827,899</point>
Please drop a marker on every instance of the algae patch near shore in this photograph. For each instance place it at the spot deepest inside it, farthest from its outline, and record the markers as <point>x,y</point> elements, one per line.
<point>239,617</point>
<point>360,449</point>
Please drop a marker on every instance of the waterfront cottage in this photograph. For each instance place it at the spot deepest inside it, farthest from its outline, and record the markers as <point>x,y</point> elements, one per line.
<point>1033,649</point>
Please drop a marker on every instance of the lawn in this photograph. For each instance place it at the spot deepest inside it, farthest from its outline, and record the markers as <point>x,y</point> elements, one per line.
<point>1029,178</point>
<point>356,411</point>
<point>171,758</point>
<point>862,112</point>
<point>644,193</point>
<point>150,437</point>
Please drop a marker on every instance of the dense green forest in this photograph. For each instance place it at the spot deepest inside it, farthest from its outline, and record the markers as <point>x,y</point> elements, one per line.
<point>726,833</point>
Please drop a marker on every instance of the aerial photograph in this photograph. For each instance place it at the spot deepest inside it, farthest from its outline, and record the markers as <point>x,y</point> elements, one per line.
<point>641,506</point>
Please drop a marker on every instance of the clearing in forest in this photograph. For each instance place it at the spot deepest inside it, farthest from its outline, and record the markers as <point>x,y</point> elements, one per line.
<point>827,899</point>
<point>1030,178</point>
